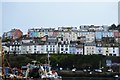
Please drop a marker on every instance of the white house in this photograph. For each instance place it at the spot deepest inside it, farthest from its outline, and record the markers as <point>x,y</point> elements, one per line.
<point>24,49</point>
<point>63,47</point>
<point>90,37</point>
<point>51,45</point>
<point>15,47</point>
<point>89,48</point>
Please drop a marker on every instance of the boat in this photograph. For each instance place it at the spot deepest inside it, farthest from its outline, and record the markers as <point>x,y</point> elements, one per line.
<point>48,73</point>
<point>51,76</point>
<point>117,76</point>
<point>42,71</point>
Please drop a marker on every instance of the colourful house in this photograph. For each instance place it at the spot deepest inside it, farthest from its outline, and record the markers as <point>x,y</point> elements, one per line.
<point>72,48</point>
<point>111,51</point>
<point>98,35</point>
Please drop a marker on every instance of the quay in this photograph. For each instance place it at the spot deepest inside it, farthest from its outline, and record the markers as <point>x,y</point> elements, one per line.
<point>66,73</point>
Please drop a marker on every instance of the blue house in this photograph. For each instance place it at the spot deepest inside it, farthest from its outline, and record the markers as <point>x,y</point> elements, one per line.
<point>72,48</point>
<point>98,35</point>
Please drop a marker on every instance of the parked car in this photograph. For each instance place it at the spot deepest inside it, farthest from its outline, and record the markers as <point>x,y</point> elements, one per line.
<point>74,69</point>
<point>110,70</point>
<point>98,70</point>
<point>86,70</point>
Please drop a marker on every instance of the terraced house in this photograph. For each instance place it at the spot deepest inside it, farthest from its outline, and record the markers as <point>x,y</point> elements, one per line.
<point>83,40</point>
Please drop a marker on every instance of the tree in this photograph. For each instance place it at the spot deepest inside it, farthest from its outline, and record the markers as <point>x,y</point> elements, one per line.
<point>113,27</point>
<point>118,27</point>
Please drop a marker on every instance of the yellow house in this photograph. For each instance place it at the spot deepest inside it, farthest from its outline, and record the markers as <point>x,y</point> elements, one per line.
<point>107,51</point>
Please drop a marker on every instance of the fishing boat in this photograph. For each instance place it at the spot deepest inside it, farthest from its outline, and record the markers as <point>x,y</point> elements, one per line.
<point>42,71</point>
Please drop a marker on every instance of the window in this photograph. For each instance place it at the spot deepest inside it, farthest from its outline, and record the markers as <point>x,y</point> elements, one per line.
<point>58,45</point>
<point>38,51</point>
<point>66,45</point>
<point>66,49</point>
<point>99,50</point>
<point>61,39</point>
<point>50,49</point>
<point>110,54</point>
<point>114,54</point>
<point>53,49</point>
<point>34,47</point>
<point>87,51</point>
<point>46,49</point>
<point>61,45</point>
<point>92,52</point>
<point>106,54</point>
<point>61,49</point>
<point>80,52</point>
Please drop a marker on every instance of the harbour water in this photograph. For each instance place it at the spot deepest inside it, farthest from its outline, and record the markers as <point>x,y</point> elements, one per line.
<point>88,78</point>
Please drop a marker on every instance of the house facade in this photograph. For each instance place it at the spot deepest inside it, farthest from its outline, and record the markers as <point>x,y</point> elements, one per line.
<point>86,40</point>
<point>89,48</point>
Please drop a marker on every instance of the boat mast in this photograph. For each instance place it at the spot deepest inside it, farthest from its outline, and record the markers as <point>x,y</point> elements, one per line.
<point>48,59</point>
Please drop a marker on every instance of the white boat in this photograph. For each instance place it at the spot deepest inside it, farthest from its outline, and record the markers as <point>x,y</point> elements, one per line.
<point>48,73</point>
<point>52,75</point>
<point>44,71</point>
<point>116,76</point>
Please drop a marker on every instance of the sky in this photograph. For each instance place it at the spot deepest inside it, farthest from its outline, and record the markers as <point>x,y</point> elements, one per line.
<point>119,12</point>
<point>25,15</point>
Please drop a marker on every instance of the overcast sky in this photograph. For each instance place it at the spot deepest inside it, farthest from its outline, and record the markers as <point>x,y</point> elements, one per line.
<point>25,15</point>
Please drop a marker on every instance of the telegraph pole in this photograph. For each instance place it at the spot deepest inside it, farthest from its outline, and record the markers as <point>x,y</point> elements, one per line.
<point>1,58</point>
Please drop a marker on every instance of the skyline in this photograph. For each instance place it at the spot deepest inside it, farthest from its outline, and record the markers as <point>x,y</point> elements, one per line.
<point>53,14</point>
